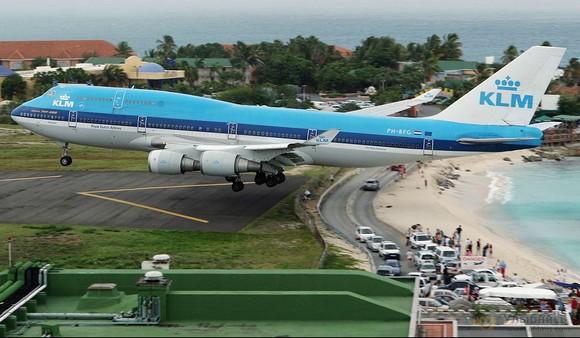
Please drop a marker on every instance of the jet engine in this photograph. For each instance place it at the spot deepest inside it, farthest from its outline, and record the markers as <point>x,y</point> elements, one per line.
<point>221,163</point>
<point>171,163</point>
<point>211,163</point>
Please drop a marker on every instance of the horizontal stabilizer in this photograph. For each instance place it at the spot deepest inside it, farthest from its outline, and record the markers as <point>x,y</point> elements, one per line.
<point>396,107</point>
<point>545,125</point>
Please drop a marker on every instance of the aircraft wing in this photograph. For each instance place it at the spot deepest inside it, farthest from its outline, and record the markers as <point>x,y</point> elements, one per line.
<point>276,153</point>
<point>395,107</point>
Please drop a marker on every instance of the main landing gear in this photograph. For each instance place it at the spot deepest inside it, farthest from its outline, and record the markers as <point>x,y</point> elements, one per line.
<point>66,159</point>
<point>269,179</point>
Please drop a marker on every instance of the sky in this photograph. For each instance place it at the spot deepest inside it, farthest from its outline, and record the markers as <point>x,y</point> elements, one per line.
<point>248,7</point>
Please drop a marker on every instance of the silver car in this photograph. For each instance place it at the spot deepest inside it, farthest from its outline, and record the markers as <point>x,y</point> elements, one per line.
<point>372,184</point>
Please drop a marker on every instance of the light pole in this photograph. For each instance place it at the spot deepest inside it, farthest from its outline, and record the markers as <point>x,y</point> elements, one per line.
<point>9,252</point>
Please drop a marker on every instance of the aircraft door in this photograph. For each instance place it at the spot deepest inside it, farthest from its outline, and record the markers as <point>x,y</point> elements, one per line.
<point>428,145</point>
<point>312,133</point>
<point>232,131</point>
<point>118,101</point>
<point>72,119</point>
<point>142,124</point>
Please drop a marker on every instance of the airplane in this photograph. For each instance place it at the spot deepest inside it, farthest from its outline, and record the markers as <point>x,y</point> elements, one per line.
<point>185,133</point>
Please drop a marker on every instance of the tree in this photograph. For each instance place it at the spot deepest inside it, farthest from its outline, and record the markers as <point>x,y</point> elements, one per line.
<point>391,94</point>
<point>572,73</point>
<point>246,95</point>
<point>451,47</point>
<point>346,107</point>
<point>510,54</point>
<point>382,52</point>
<point>124,50</point>
<point>112,76</point>
<point>166,48</point>
<point>246,55</point>
<point>13,87</point>
<point>569,105</point>
<point>433,44</point>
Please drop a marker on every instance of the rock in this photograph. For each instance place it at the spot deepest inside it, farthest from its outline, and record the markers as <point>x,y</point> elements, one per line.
<point>507,159</point>
<point>532,158</point>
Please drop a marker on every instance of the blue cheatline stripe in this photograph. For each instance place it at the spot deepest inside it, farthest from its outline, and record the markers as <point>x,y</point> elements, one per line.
<point>261,130</point>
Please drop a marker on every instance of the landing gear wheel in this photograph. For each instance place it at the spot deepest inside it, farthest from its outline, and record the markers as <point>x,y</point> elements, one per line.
<point>65,161</point>
<point>271,181</point>
<point>260,178</point>
<point>281,178</point>
<point>238,186</point>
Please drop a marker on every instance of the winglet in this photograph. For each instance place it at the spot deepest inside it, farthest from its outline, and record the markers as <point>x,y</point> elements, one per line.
<point>325,138</point>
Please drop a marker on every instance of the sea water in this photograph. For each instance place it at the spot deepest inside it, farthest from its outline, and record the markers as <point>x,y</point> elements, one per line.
<point>483,32</point>
<point>539,205</point>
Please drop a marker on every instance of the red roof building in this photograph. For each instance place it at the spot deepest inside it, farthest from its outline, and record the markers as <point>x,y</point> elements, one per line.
<point>67,53</point>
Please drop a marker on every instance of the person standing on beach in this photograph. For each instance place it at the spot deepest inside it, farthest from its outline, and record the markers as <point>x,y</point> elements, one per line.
<point>503,268</point>
<point>490,250</point>
<point>478,247</point>
<point>485,248</point>
<point>574,306</point>
<point>458,231</point>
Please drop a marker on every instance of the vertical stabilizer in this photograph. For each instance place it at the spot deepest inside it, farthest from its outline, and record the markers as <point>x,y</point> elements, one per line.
<point>512,95</point>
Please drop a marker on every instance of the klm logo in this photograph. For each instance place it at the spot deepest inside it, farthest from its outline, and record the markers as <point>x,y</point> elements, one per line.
<point>506,95</point>
<point>63,102</point>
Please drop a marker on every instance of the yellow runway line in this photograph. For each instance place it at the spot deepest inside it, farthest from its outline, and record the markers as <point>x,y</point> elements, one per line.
<point>29,178</point>
<point>146,207</point>
<point>162,187</point>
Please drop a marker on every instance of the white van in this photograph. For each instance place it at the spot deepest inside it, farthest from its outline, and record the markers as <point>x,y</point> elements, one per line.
<point>445,254</point>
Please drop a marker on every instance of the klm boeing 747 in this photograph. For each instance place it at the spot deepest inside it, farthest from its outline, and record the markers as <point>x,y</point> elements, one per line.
<point>187,133</point>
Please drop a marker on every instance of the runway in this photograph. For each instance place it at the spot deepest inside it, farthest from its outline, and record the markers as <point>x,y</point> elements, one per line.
<point>135,199</point>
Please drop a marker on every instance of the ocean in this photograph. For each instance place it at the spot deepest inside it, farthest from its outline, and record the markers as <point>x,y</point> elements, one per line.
<point>539,204</point>
<point>483,32</point>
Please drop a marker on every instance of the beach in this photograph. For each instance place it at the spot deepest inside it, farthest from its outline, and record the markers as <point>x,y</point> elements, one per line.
<point>469,201</point>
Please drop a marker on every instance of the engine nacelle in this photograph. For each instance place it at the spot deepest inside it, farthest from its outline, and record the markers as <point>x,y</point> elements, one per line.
<point>171,163</point>
<point>221,163</point>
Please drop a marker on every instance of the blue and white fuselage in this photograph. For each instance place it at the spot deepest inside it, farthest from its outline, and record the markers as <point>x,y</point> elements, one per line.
<point>188,133</point>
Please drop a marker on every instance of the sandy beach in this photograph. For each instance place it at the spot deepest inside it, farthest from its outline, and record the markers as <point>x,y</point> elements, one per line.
<point>408,202</point>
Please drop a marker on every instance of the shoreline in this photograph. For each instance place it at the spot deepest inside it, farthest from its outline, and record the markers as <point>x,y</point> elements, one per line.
<point>467,201</point>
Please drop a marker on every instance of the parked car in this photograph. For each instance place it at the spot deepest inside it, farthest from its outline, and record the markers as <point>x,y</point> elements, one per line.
<point>432,303</point>
<point>374,243</point>
<point>453,267</point>
<point>423,257</point>
<point>483,280</point>
<point>425,286</point>
<point>419,238</point>
<point>461,286</point>
<point>372,184</point>
<point>364,233</point>
<point>389,250</point>
<point>445,254</point>
<point>496,303</point>
<point>386,271</point>
<point>428,269</point>
<point>428,247</point>
<point>395,264</point>
<point>448,295</point>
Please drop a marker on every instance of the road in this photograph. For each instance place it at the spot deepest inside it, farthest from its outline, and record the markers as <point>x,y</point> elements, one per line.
<point>348,206</point>
<point>134,199</point>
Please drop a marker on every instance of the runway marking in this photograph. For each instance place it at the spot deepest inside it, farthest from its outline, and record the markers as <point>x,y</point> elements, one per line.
<point>162,187</point>
<point>95,194</point>
<point>29,178</point>
<point>146,207</point>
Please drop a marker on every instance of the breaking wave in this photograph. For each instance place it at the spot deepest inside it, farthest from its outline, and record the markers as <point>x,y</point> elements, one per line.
<point>500,188</point>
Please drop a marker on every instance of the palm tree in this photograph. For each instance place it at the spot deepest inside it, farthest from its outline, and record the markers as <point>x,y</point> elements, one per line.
<point>509,54</point>
<point>112,76</point>
<point>451,47</point>
<point>123,49</point>
<point>430,64</point>
<point>166,47</point>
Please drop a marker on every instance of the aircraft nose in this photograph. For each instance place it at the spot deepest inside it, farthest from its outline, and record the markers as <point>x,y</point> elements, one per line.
<point>16,112</point>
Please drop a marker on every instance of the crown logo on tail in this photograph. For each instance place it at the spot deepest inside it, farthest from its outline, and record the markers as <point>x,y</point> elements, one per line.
<point>507,84</point>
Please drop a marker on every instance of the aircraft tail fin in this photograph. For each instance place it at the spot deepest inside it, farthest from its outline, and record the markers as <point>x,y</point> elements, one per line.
<point>512,95</point>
